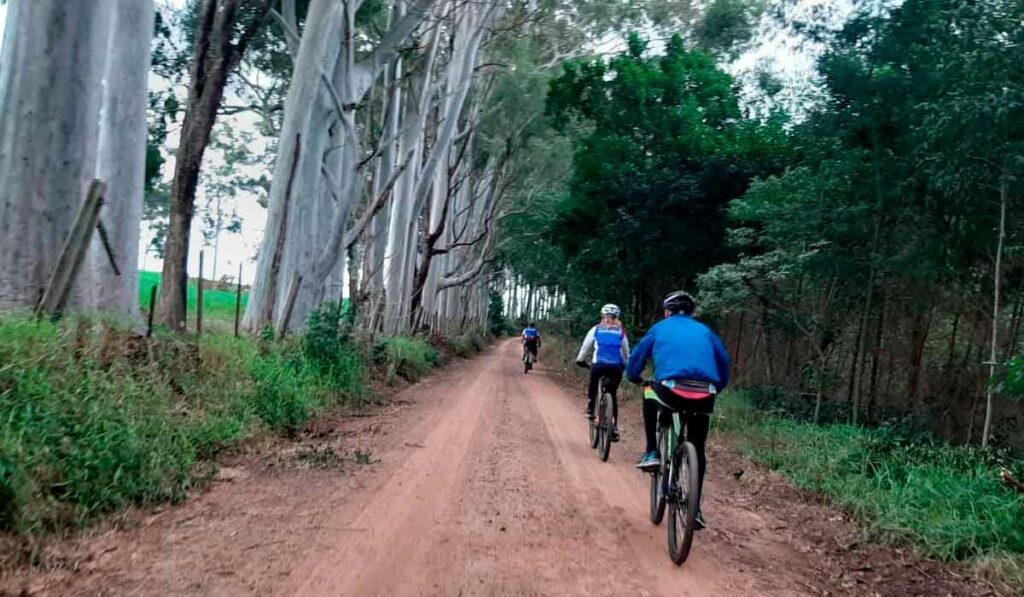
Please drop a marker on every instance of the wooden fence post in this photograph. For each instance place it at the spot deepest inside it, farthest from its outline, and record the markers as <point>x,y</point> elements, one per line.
<point>289,304</point>
<point>199,297</point>
<point>238,300</point>
<point>76,245</point>
<point>152,308</point>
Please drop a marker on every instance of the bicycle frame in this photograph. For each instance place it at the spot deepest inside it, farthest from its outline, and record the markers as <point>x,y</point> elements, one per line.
<point>676,438</point>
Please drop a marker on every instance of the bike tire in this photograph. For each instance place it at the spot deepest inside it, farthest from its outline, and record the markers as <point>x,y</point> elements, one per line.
<point>594,437</point>
<point>682,510</point>
<point>658,480</point>
<point>605,429</point>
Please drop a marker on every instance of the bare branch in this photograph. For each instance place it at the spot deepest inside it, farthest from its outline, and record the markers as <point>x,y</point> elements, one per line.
<point>353,233</point>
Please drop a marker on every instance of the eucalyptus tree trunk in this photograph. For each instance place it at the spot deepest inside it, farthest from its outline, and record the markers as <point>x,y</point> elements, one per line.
<point>327,87</point>
<point>121,161</point>
<point>376,246</point>
<point>296,170</point>
<point>398,268</point>
<point>51,67</point>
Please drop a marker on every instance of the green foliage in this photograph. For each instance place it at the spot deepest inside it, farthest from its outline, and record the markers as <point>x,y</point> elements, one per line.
<point>329,350</point>
<point>884,217</point>
<point>91,425</point>
<point>947,501</point>
<point>726,25</point>
<point>498,325</point>
<point>97,418</point>
<point>660,149</point>
<point>287,392</point>
<point>467,344</point>
<point>409,358</point>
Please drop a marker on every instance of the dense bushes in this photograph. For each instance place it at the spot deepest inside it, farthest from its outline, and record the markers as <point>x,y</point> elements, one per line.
<point>404,357</point>
<point>88,429</point>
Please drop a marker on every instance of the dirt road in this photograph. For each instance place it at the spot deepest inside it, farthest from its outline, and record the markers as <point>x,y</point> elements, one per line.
<point>480,482</point>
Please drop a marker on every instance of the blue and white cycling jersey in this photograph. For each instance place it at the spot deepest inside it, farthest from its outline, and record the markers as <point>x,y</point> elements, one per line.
<point>609,344</point>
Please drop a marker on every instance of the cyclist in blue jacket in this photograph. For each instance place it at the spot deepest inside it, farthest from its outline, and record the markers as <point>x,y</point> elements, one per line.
<point>691,366</point>
<point>610,346</point>
<point>531,340</point>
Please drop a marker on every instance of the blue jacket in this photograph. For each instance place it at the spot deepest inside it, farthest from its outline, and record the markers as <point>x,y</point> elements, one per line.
<point>682,348</point>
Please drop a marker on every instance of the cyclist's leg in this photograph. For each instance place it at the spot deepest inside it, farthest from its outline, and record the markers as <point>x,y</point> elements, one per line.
<point>697,426</point>
<point>595,379</point>
<point>614,375</point>
<point>651,408</point>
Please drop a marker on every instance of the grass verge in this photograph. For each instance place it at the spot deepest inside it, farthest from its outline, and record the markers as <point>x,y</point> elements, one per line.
<point>948,502</point>
<point>94,418</point>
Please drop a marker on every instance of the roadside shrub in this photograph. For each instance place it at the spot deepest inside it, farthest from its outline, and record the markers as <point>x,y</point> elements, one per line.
<point>405,357</point>
<point>84,433</point>
<point>948,501</point>
<point>468,344</point>
<point>286,392</point>
<point>330,351</point>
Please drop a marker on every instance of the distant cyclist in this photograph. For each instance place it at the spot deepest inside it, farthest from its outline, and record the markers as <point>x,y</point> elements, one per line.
<point>610,346</point>
<point>531,341</point>
<point>691,366</point>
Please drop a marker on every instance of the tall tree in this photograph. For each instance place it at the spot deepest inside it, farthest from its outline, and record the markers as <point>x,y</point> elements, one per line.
<point>50,93</point>
<point>122,153</point>
<point>223,31</point>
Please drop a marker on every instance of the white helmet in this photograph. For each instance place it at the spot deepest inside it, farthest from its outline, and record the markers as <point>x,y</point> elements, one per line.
<point>610,309</point>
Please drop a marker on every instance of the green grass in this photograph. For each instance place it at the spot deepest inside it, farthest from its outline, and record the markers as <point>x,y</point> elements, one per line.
<point>217,304</point>
<point>90,426</point>
<point>467,344</point>
<point>94,418</point>
<point>409,358</point>
<point>948,502</point>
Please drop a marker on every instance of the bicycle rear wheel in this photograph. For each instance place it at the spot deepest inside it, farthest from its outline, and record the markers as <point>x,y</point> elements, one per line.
<point>658,478</point>
<point>684,499</point>
<point>605,427</point>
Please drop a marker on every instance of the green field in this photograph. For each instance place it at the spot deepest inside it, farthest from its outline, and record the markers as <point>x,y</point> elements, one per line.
<point>217,304</point>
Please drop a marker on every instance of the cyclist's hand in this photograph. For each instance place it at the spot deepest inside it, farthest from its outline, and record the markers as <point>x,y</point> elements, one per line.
<point>636,380</point>
<point>582,364</point>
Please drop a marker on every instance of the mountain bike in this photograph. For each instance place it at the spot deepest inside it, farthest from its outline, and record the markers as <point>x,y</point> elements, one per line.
<point>602,424</point>
<point>675,484</point>
<point>527,361</point>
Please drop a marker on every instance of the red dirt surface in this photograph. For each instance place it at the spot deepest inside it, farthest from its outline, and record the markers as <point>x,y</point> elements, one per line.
<point>478,481</point>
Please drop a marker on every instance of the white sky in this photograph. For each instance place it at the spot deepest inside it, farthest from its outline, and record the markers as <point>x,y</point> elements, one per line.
<point>791,63</point>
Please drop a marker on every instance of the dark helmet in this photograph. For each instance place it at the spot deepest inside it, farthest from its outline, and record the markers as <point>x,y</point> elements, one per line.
<point>679,302</point>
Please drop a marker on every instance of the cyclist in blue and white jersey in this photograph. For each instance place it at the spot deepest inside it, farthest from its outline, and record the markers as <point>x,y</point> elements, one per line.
<point>609,345</point>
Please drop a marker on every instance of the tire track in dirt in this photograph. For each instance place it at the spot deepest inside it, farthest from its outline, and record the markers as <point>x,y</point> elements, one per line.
<point>484,484</point>
<point>392,531</point>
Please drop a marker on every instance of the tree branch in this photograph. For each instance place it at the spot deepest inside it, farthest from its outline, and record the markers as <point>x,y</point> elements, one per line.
<point>353,233</point>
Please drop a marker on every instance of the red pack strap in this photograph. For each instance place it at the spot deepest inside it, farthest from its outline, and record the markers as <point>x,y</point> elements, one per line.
<point>690,389</point>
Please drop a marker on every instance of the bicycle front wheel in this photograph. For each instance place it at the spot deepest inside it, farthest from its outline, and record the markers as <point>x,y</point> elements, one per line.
<point>684,500</point>
<point>605,427</point>
<point>658,478</point>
